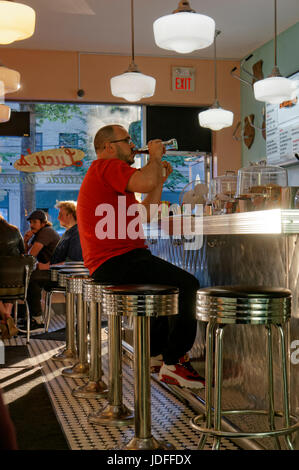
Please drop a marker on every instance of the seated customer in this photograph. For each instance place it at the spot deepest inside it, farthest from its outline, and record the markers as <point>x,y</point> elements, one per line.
<point>114,252</point>
<point>67,249</point>
<point>40,242</point>
<point>11,244</point>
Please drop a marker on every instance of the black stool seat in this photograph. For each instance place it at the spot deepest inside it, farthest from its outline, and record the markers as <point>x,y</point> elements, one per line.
<point>141,289</point>
<point>245,291</point>
<point>144,300</point>
<point>244,305</point>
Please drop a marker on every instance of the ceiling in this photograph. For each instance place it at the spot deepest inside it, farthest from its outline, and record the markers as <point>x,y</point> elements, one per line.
<point>104,26</point>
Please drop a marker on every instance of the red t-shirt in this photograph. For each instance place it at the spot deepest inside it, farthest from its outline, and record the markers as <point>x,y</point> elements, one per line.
<point>105,229</point>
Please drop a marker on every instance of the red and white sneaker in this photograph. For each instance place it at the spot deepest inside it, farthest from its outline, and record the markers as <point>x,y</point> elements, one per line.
<point>156,364</point>
<point>182,374</point>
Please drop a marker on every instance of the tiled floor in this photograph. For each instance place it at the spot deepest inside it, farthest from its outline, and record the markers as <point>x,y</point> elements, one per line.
<point>170,416</point>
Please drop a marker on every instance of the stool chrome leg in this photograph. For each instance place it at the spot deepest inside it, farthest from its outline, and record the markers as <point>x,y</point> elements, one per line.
<point>69,353</point>
<point>209,378</point>
<point>115,413</point>
<point>80,369</point>
<point>143,439</point>
<point>271,414</point>
<point>285,389</point>
<point>218,385</point>
<point>46,311</point>
<point>95,386</point>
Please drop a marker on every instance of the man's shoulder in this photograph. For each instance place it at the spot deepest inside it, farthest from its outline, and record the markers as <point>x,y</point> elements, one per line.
<point>47,233</point>
<point>72,232</point>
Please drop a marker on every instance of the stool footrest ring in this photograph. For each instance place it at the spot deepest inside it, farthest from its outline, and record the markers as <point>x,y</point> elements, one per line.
<point>240,435</point>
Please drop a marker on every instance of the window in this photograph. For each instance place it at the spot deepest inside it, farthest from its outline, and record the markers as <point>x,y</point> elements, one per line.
<point>57,124</point>
<point>38,141</point>
<point>68,140</point>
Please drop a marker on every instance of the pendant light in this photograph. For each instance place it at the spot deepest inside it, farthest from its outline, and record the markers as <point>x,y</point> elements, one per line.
<point>184,30</point>
<point>17,21</point>
<point>4,109</point>
<point>10,78</point>
<point>132,85</point>
<point>215,118</point>
<point>275,89</point>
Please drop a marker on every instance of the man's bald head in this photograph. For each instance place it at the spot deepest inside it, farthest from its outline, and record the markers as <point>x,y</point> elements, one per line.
<point>105,134</point>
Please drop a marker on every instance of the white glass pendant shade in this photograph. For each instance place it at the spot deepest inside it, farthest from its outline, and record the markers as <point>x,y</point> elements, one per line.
<point>4,113</point>
<point>17,22</point>
<point>133,86</point>
<point>215,118</point>
<point>184,32</point>
<point>10,78</point>
<point>275,90</point>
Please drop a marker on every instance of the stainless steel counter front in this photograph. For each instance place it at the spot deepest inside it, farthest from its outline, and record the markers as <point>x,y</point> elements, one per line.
<point>255,248</point>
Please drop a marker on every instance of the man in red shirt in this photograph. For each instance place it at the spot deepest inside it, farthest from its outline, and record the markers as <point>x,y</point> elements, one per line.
<point>117,254</point>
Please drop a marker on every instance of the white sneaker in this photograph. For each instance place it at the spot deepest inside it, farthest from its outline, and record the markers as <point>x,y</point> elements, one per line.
<point>182,374</point>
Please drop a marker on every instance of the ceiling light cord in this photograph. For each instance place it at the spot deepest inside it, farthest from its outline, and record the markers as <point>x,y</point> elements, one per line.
<point>217,32</point>
<point>275,33</point>
<point>132,32</point>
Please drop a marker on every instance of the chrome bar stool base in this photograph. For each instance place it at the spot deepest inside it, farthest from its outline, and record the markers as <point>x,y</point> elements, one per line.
<point>113,416</point>
<point>77,371</point>
<point>91,390</point>
<point>149,443</point>
<point>65,355</point>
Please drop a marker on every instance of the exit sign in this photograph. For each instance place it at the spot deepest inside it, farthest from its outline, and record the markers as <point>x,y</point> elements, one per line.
<point>183,78</point>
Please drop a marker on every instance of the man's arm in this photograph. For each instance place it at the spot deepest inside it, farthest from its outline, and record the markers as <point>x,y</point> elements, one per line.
<point>35,249</point>
<point>149,177</point>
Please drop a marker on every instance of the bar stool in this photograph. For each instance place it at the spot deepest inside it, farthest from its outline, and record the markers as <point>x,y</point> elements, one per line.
<point>142,302</point>
<point>239,305</point>
<point>115,413</point>
<point>74,285</point>
<point>92,296</point>
<point>69,353</point>
<point>55,288</point>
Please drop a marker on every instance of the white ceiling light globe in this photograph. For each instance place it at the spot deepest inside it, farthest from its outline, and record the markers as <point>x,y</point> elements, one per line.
<point>17,22</point>
<point>10,78</point>
<point>4,113</point>
<point>184,32</point>
<point>133,86</point>
<point>275,90</point>
<point>215,118</point>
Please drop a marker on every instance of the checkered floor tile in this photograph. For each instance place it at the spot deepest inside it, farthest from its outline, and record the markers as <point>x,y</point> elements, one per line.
<point>170,415</point>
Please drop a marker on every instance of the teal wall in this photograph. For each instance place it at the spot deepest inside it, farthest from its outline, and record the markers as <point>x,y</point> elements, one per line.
<point>288,63</point>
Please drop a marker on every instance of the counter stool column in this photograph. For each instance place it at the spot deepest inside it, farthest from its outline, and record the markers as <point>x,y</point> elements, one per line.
<point>142,302</point>
<point>235,305</point>
<point>69,353</point>
<point>56,288</point>
<point>92,295</point>
<point>115,413</point>
<point>81,368</point>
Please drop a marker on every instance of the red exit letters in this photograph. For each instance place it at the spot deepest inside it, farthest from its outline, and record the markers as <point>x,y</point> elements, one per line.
<point>183,83</point>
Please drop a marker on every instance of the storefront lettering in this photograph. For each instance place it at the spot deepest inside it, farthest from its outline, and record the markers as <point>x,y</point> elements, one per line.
<point>50,160</point>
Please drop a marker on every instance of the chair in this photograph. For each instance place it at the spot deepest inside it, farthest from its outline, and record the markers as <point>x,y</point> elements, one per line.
<point>268,308</point>
<point>141,302</point>
<point>15,272</point>
<point>54,288</point>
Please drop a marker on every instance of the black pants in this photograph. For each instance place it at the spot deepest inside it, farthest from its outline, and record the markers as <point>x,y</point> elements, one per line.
<point>38,280</point>
<point>170,336</point>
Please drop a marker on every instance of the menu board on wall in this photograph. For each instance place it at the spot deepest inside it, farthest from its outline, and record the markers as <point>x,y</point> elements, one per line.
<point>282,130</point>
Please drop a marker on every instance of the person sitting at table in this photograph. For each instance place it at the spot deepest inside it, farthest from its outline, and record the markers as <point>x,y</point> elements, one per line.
<point>68,248</point>
<point>11,244</point>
